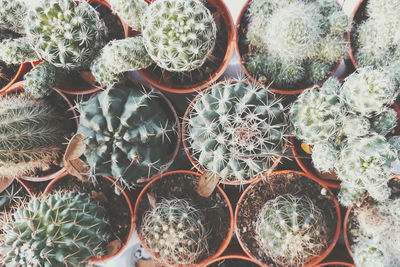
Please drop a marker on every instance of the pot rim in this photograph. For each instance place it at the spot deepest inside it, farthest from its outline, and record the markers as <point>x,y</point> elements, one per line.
<point>23,68</point>
<point>349,33</point>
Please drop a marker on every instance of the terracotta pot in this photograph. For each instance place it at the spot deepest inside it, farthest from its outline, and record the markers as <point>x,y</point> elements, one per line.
<point>239,39</point>
<point>316,259</point>
<point>325,178</point>
<point>233,257</point>
<point>345,229</point>
<point>23,68</point>
<point>155,79</point>
<point>225,242</point>
<point>354,18</point>
<point>105,258</point>
<point>19,86</point>
<point>334,263</point>
<point>195,162</point>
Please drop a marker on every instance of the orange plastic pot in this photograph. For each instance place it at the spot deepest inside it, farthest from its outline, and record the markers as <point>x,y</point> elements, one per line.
<point>19,86</point>
<point>149,75</point>
<point>225,242</point>
<point>353,19</point>
<point>335,263</point>
<point>23,68</point>
<point>313,261</point>
<point>252,78</point>
<point>105,258</point>
<point>345,229</point>
<point>233,257</point>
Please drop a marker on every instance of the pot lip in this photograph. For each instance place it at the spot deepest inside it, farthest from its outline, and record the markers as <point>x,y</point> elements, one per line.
<point>23,68</point>
<point>314,260</point>
<point>331,263</point>
<point>349,33</point>
<point>233,256</point>
<point>275,90</point>
<point>345,235</point>
<point>224,243</point>
<point>20,86</point>
<point>194,161</point>
<point>190,88</point>
<point>50,186</point>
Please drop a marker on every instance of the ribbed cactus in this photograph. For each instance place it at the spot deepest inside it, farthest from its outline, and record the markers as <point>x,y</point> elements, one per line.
<point>291,230</point>
<point>120,56</point>
<point>175,231</point>
<point>236,130</point>
<point>179,35</point>
<point>130,11</point>
<point>66,33</point>
<point>31,136</point>
<point>306,34</point>
<point>12,15</point>
<point>128,132</point>
<point>62,229</point>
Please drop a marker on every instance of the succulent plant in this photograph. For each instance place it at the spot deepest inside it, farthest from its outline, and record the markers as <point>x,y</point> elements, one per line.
<point>305,34</point>
<point>17,51</point>
<point>174,229</point>
<point>324,156</point>
<point>12,14</point>
<point>236,130</point>
<point>130,11</point>
<point>178,35</point>
<point>291,230</point>
<point>128,133</point>
<point>61,229</point>
<point>10,196</point>
<point>31,134</point>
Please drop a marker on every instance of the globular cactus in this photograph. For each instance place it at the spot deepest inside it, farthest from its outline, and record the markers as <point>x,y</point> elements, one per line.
<point>66,33</point>
<point>236,130</point>
<point>31,136</point>
<point>17,51</point>
<point>10,196</point>
<point>120,56</point>
<point>174,230</point>
<point>366,255</point>
<point>324,156</point>
<point>291,230</point>
<point>130,11</point>
<point>12,15</point>
<point>128,133</point>
<point>355,126</point>
<point>61,229</point>
<point>179,35</point>
<point>385,121</point>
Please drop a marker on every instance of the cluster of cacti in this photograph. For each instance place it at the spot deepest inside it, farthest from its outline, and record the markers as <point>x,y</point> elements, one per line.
<point>31,136</point>
<point>61,229</point>
<point>175,231</point>
<point>291,230</point>
<point>346,125</point>
<point>129,134</point>
<point>377,234</point>
<point>236,130</point>
<point>294,41</point>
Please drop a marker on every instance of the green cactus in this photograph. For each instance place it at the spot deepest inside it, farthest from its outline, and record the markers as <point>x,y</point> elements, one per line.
<point>236,130</point>
<point>128,133</point>
<point>385,122</point>
<point>11,196</point>
<point>12,15</point>
<point>179,35</point>
<point>175,231</point>
<point>17,51</point>
<point>291,230</point>
<point>130,11</point>
<point>31,135</point>
<point>324,156</point>
<point>61,229</point>
<point>117,57</point>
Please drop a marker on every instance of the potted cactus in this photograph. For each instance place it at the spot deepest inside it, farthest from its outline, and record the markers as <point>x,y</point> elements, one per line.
<point>177,225</point>
<point>290,45</point>
<point>236,130</point>
<point>349,127</point>
<point>131,133</point>
<point>287,219</point>
<point>372,231</point>
<point>183,45</point>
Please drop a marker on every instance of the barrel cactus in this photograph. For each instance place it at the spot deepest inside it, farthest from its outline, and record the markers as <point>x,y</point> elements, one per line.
<point>291,230</point>
<point>61,229</point>
<point>31,136</point>
<point>236,130</point>
<point>129,134</point>
<point>175,231</point>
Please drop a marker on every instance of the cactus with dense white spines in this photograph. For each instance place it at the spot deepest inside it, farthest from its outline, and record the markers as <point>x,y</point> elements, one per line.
<point>17,51</point>
<point>12,15</point>
<point>130,11</point>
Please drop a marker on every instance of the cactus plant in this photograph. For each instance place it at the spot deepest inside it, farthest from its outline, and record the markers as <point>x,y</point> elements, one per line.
<point>128,133</point>
<point>12,15</point>
<point>291,230</point>
<point>61,229</point>
<point>17,51</point>
<point>175,231</point>
<point>305,34</point>
<point>236,130</point>
<point>10,196</point>
<point>31,134</point>
<point>130,11</point>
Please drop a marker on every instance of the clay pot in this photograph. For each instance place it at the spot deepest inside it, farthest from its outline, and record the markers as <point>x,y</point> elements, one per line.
<point>355,18</point>
<point>23,68</point>
<point>233,257</point>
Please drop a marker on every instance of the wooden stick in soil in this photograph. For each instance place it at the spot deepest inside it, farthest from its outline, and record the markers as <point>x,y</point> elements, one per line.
<point>207,183</point>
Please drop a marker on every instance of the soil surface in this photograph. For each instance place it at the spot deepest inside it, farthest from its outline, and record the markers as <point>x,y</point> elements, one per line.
<point>272,187</point>
<point>182,186</point>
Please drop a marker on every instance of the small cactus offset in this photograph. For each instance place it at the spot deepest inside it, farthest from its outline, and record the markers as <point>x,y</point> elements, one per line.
<point>130,11</point>
<point>179,35</point>
<point>61,229</point>
<point>12,15</point>
<point>236,130</point>
<point>291,230</point>
<point>128,133</point>
<point>31,136</point>
<point>175,231</point>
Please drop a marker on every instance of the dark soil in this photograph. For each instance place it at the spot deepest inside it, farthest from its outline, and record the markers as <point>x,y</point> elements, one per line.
<point>272,187</point>
<point>118,210</point>
<point>7,72</point>
<point>233,263</point>
<point>215,59</point>
<point>113,23</point>
<point>182,186</point>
